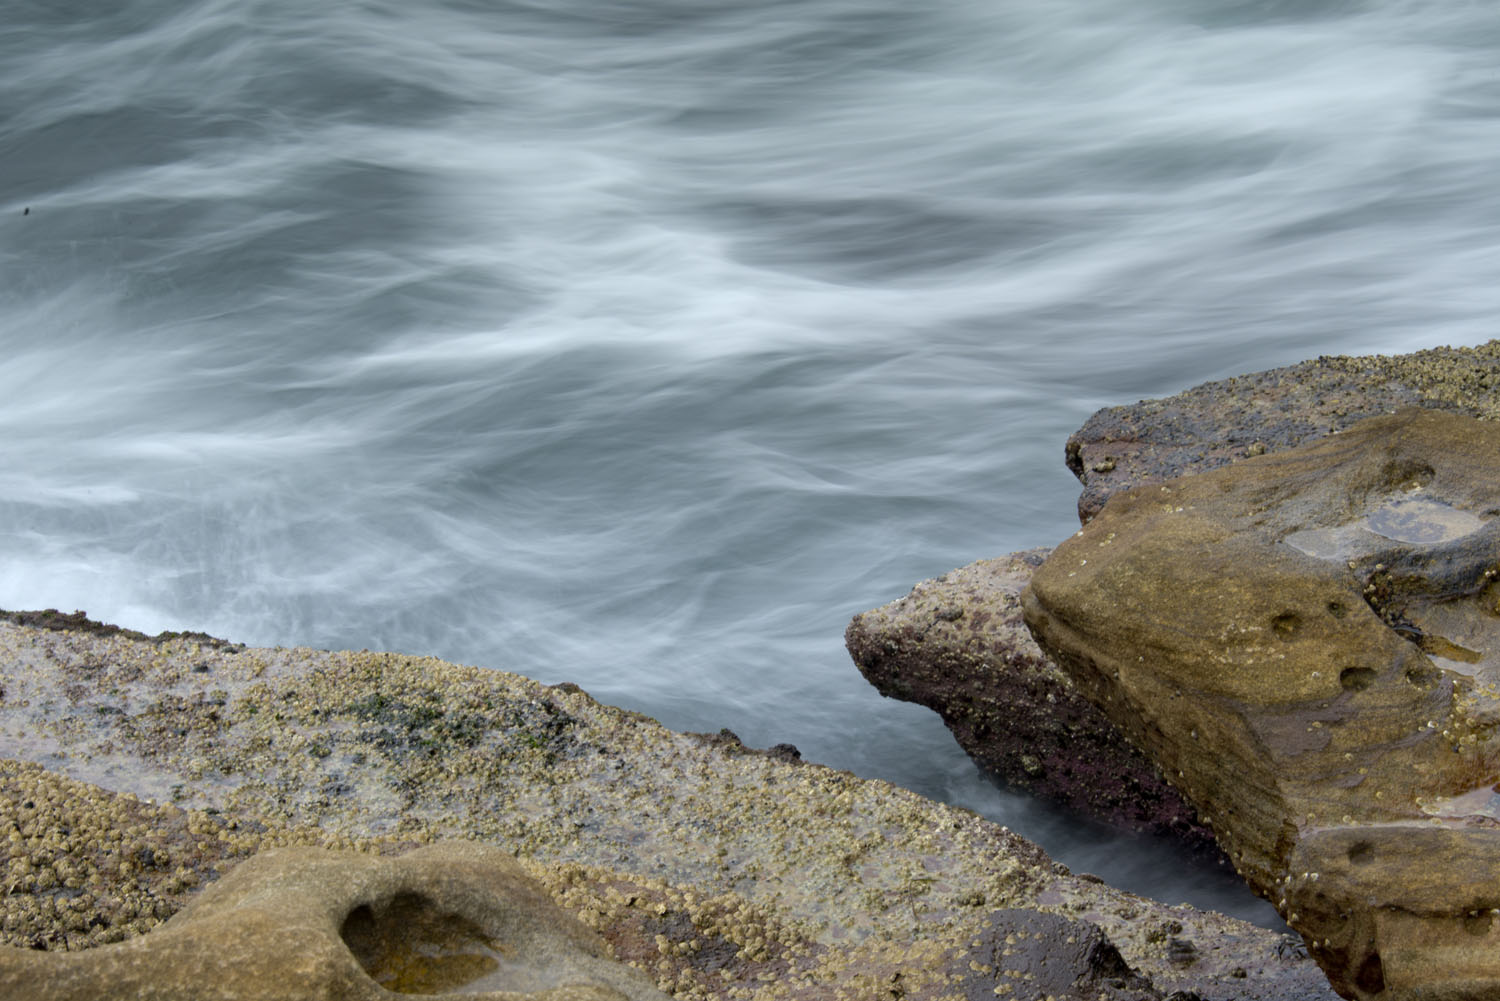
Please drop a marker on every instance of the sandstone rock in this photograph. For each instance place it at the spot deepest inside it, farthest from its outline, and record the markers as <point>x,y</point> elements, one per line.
<point>720,872</point>
<point>1308,642</point>
<point>957,645</point>
<point>449,920</point>
<point>1221,422</point>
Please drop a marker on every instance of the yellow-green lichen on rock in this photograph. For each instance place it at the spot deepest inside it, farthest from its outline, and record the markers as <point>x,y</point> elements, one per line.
<point>718,871</point>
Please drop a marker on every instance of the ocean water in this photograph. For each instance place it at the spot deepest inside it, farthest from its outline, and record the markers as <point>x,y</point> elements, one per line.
<point>641,343</point>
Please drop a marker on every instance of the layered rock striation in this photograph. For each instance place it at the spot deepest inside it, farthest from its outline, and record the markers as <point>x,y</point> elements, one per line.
<point>1308,643</point>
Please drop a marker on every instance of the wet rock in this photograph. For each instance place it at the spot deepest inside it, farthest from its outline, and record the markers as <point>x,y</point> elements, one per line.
<point>1221,422</point>
<point>449,920</point>
<point>957,645</point>
<point>1034,956</point>
<point>1308,643</point>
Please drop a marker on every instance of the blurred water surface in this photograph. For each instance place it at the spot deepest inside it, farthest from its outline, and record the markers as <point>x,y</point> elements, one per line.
<point>640,344</point>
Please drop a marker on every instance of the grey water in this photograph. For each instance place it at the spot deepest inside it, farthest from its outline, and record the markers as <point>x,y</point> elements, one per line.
<point>641,343</point>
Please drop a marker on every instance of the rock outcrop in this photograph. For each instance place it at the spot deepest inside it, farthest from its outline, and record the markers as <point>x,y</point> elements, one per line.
<point>719,872</point>
<point>445,921</point>
<point>1221,422</point>
<point>957,645</point>
<point>1308,643</point>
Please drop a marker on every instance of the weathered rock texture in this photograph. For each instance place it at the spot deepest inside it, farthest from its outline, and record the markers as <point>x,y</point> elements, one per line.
<point>720,872</point>
<point>1309,643</point>
<point>957,645</point>
<point>1219,422</point>
<point>449,920</point>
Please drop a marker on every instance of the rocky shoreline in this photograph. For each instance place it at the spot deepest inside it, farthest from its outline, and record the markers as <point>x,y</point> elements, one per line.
<point>1410,520</point>
<point>957,644</point>
<point>141,770</point>
<point>719,871</point>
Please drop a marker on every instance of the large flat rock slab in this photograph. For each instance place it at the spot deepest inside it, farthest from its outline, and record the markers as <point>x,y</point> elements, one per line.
<point>957,644</point>
<point>718,871</point>
<point>1221,422</point>
<point>1308,643</point>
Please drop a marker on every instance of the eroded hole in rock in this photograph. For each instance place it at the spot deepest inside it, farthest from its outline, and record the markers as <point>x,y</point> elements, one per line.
<point>1361,853</point>
<point>411,946</point>
<point>1337,609</point>
<point>1406,473</point>
<point>1478,921</point>
<point>1356,679</point>
<point>1286,624</point>
<point>1371,975</point>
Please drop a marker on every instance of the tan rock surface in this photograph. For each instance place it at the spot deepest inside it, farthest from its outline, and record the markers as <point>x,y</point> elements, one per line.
<point>1308,642</point>
<point>957,644</point>
<point>721,872</point>
<point>292,924</point>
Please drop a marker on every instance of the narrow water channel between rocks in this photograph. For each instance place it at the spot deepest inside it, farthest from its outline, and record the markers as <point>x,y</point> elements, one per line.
<point>1152,866</point>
